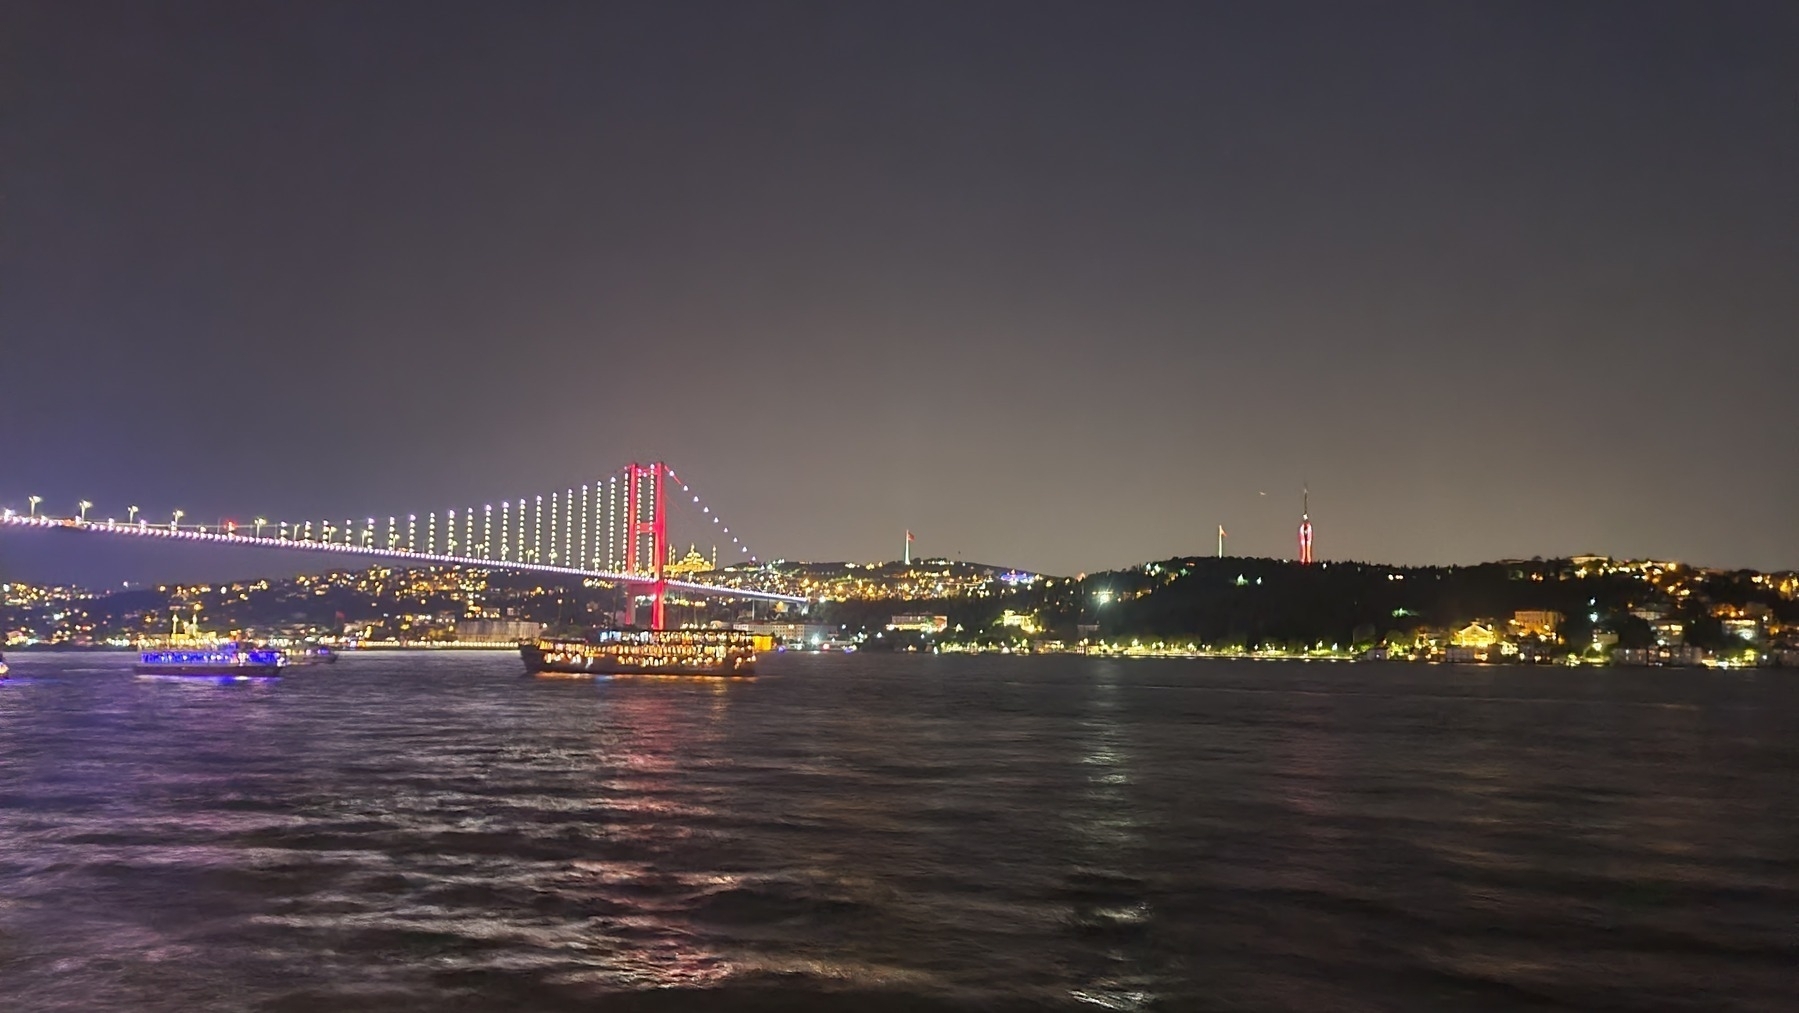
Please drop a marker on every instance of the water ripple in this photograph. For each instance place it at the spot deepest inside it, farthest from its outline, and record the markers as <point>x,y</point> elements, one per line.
<point>407,832</point>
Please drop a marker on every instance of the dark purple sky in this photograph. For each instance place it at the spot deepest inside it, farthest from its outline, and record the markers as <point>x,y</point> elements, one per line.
<point>1060,286</point>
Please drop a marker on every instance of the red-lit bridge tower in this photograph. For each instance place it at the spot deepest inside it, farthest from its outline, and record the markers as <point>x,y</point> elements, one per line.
<point>646,514</point>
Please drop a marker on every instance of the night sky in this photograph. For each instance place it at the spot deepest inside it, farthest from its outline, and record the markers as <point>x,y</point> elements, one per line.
<point>1059,286</point>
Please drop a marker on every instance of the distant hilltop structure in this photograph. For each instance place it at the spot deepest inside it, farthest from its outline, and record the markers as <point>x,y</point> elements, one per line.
<point>691,564</point>
<point>1305,526</point>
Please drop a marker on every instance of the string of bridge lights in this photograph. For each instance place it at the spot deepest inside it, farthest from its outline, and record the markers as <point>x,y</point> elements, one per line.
<point>577,521</point>
<point>706,511</point>
<point>199,533</point>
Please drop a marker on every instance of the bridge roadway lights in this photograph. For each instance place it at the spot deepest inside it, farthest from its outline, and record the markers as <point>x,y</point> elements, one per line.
<point>342,548</point>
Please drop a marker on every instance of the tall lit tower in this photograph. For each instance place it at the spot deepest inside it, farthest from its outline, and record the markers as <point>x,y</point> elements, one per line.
<point>1305,527</point>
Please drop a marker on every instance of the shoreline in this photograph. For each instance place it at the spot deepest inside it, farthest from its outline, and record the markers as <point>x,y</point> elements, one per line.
<point>346,649</point>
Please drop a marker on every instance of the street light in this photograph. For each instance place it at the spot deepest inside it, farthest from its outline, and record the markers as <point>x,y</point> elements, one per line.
<point>84,506</point>
<point>260,521</point>
<point>175,524</point>
<point>34,501</point>
<point>133,515</point>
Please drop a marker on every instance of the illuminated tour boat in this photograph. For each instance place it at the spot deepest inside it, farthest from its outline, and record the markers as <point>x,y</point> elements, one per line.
<point>191,654</point>
<point>225,661</point>
<point>727,654</point>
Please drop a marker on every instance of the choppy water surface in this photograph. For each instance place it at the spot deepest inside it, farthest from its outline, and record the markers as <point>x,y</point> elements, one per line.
<point>432,832</point>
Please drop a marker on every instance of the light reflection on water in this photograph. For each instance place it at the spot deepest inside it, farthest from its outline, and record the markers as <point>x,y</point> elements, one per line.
<point>403,832</point>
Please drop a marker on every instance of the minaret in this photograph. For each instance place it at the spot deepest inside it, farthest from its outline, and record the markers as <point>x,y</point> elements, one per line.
<point>1220,541</point>
<point>1305,526</point>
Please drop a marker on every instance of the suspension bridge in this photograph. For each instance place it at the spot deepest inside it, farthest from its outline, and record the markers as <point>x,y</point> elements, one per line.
<point>614,529</point>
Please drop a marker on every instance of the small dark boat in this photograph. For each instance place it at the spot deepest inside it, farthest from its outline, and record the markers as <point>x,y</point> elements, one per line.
<point>317,655</point>
<point>721,654</point>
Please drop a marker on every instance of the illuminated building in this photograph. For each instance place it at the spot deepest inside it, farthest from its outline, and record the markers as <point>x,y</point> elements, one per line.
<point>1669,632</point>
<point>1535,623</point>
<point>1023,622</point>
<point>496,631</point>
<point>1746,629</point>
<point>1476,635</point>
<point>692,563</point>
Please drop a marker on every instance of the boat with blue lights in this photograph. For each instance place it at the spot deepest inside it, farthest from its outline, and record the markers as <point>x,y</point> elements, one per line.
<point>189,653</point>
<point>225,661</point>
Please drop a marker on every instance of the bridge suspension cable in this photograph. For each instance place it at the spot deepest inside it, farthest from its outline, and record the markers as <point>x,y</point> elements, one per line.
<point>612,528</point>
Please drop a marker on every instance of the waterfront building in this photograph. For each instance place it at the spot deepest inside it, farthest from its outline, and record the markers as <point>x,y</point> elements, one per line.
<point>790,633</point>
<point>496,631</point>
<point>1664,655</point>
<point>1479,636</point>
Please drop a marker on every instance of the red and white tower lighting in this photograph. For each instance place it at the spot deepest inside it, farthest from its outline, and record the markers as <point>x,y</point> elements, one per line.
<point>1305,528</point>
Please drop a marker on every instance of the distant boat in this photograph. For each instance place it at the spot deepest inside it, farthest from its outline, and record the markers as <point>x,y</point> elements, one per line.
<point>311,656</point>
<point>3,668</point>
<point>726,654</point>
<point>190,653</point>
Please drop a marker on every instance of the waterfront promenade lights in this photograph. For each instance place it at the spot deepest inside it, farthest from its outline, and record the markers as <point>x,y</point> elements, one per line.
<point>34,501</point>
<point>81,510</point>
<point>175,524</point>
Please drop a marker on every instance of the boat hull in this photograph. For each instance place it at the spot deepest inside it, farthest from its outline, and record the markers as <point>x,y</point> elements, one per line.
<point>228,663</point>
<point>578,660</point>
<point>229,673</point>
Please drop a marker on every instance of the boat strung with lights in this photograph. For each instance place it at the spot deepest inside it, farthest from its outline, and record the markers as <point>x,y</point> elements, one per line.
<point>224,661</point>
<point>186,652</point>
<point>722,654</point>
